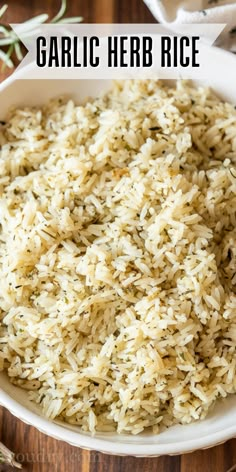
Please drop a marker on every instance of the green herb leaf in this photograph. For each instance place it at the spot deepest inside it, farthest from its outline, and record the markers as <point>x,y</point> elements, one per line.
<point>29,25</point>
<point>6,59</point>
<point>74,19</point>
<point>4,30</point>
<point>18,51</point>
<point>3,9</point>
<point>61,12</point>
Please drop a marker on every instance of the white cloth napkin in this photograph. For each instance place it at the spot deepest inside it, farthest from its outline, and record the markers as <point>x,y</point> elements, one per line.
<point>198,11</point>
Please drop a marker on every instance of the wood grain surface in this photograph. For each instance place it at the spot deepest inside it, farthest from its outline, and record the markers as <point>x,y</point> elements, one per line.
<point>36,451</point>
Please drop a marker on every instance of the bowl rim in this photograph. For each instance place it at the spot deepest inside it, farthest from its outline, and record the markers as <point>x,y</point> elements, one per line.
<point>104,445</point>
<point>90,442</point>
<point>93,443</point>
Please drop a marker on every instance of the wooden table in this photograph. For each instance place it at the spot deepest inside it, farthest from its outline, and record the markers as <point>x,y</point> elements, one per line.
<point>38,452</point>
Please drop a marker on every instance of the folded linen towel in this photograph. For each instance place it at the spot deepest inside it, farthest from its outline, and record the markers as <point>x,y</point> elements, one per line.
<point>199,11</point>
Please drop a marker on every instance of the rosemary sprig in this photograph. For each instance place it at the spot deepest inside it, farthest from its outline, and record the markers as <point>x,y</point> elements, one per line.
<point>8,457</point>
<point>9,41</point>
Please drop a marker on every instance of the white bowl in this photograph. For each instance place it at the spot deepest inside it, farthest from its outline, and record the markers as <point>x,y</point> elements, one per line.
<point>220,424</point>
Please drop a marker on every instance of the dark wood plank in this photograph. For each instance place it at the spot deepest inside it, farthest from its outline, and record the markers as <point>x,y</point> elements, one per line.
<point>123,464</point>
<point>217,459</point>
<point>38,452</point>
<point>132,11</point>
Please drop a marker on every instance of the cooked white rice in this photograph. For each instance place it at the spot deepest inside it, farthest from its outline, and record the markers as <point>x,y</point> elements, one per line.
<point>118,255</point>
